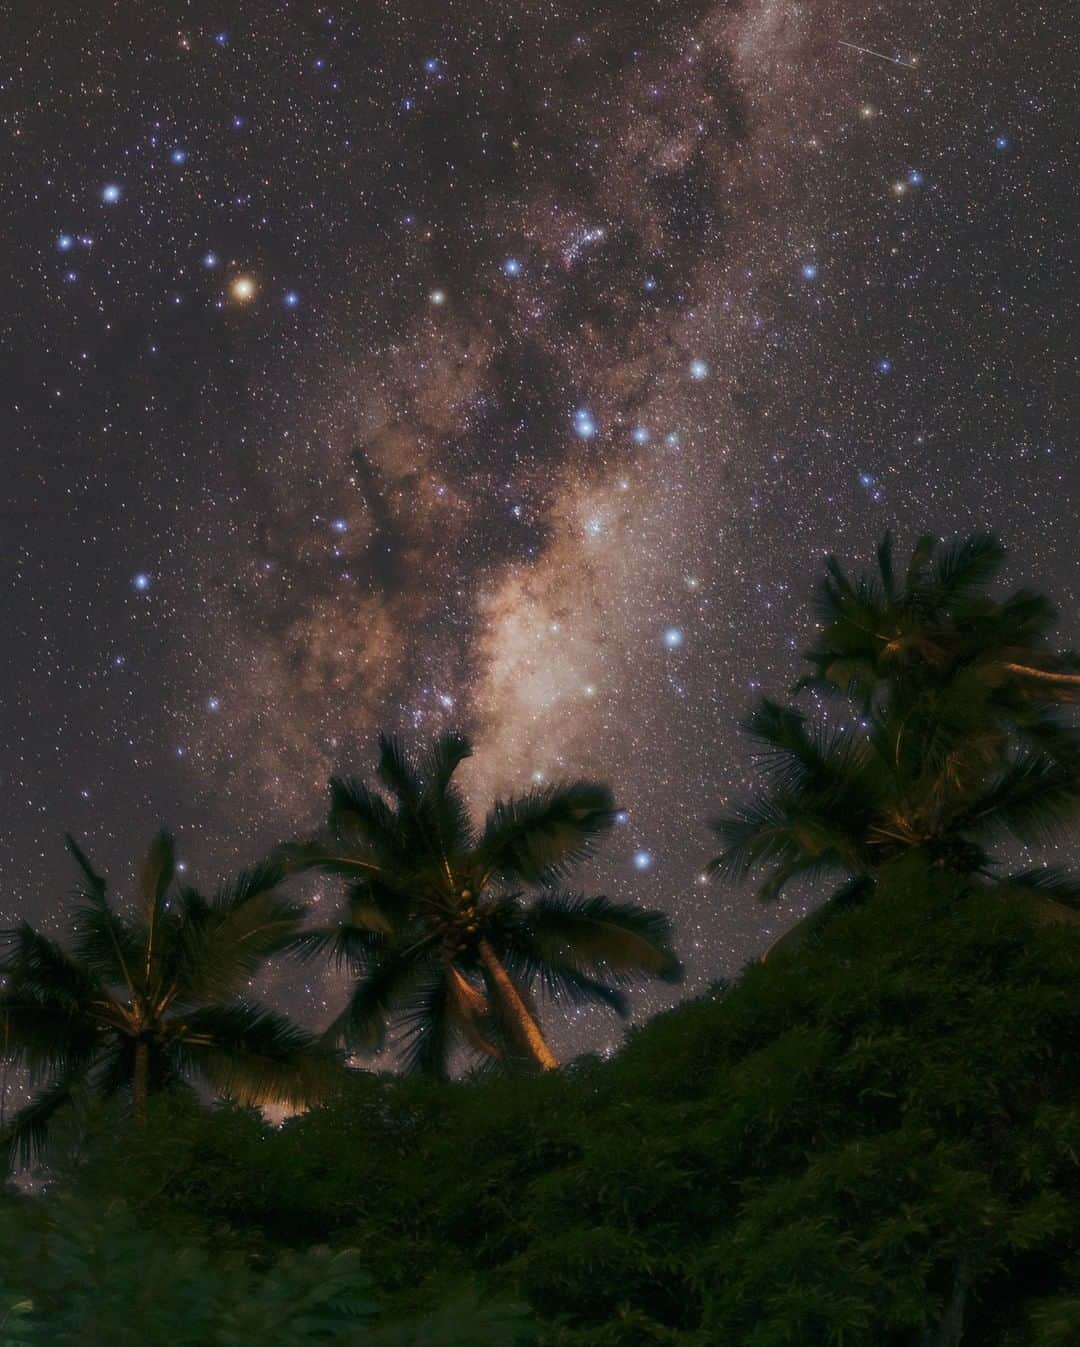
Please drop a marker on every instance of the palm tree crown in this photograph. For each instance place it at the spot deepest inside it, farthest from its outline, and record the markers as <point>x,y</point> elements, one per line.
<point>436,929</point>
<point>953,736</point>
<point>135,1004</point>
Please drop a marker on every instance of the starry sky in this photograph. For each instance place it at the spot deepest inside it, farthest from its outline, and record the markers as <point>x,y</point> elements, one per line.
<point>509,367</point>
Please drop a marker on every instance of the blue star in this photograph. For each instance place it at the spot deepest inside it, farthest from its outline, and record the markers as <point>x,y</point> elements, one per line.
<point>884,366</point>
<point>650,283</point>
<point>642,860</point>
<point>111,193</point>
<point>222,39</point>
<point>810,271</point>
<point>673,638</point>
<point>915,178</point>
<point>1001,142</point>
<point>318,63</point>
<point>213,703</point>
<point>141,582</point>
<point>640,435</point>
<point>210,260</point>
<point>512,266</point>
<point>698,370</point>
<point>584,425</point>
<point>291,299</point>
<point>179,156</point>
<point>340,526</point>
<point>238,123</point>
<point>431,65</point>
<point>64,242</point>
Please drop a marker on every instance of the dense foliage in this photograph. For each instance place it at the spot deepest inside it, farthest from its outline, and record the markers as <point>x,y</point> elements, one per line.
<point>851,1146</point>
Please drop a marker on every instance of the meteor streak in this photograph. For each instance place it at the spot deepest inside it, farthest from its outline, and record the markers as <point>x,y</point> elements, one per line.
<point>868,51</point>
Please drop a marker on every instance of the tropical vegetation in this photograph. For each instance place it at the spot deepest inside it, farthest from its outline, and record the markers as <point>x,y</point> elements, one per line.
<point>154,998</point>
<point>870,1142</point>
<point>949,737</point>
<point>436,929</point>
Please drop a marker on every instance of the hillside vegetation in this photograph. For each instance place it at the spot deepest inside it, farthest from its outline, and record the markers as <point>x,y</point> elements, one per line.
<point>871,1141</point>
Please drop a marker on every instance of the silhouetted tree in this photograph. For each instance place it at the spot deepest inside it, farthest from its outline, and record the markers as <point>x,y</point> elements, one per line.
<point>951,737</point>
<point>134,1004</point>
<point>437,931</point>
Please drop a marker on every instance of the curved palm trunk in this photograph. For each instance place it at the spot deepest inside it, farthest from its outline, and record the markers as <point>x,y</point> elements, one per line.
<point>140,1082</point>
<point>1068,683</point>
<point>517,1014</point>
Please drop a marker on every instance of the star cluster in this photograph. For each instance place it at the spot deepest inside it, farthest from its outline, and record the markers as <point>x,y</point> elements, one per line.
<point>502,366</point>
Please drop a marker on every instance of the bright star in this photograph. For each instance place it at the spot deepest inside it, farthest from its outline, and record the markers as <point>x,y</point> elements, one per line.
<point>243,289</point>
<point>673,638</point>
<point>141,582</point>
<point>584,425</point>
<point>291,299</point>
<point>213,703</point>
<point>1001,143</point>
<point>512,267</point>
<point>179,156</point>
<point>884,366</point>
<point>809,270</point>
<point>64,242</point>
<point>640,435</point>
<point>698,370</point>
<point>210,260</point>
<point>437,297</point>
<point>111,193</point>
<point>642,860</point>
<point>340,526</point>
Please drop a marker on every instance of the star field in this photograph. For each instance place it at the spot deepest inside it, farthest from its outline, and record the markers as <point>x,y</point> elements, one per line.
<point>510,367</point>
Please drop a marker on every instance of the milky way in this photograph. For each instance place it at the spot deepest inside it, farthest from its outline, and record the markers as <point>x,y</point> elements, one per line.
<point>502,367</point>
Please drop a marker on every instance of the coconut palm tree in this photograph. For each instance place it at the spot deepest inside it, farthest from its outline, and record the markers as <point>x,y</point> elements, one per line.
<point>438,930</point>
<point>136,1003</point>
<point>953,739</point>
<point>938,628</point>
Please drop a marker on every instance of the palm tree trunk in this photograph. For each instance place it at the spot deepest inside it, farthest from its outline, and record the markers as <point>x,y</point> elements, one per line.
<point>140,1081</point>
<point>525,1028</point>
<point>1045,675</point>
<point>950,1330</point>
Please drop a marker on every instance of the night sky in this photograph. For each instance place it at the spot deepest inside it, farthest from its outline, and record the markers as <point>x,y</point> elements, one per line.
<point>502,366</point>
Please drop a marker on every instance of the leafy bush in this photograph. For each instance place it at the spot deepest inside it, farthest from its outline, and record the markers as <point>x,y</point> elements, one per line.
<point>846,1146</point>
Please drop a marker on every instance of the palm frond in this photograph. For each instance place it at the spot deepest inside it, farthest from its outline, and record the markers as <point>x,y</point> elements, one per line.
<point>597,935</point>
<point>158,871</point>
<point>922,554</point>
<point>396,772</point>
<point>540,835</point>
<point>47,1039</point>
<point>223,948</point>
<point>885,566</point>
<point>442,806</point>
<point>345,945</point>
<point>359,814</point>
<point>42,969</point>
<point>965,567</point>
<point>1049,880</point>
<point>256,1056</point>
<point>94,884</point>
<point>391,977</point>
<point>1035,799</point>
<point>565,985</point>
<point>27,1131</point>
